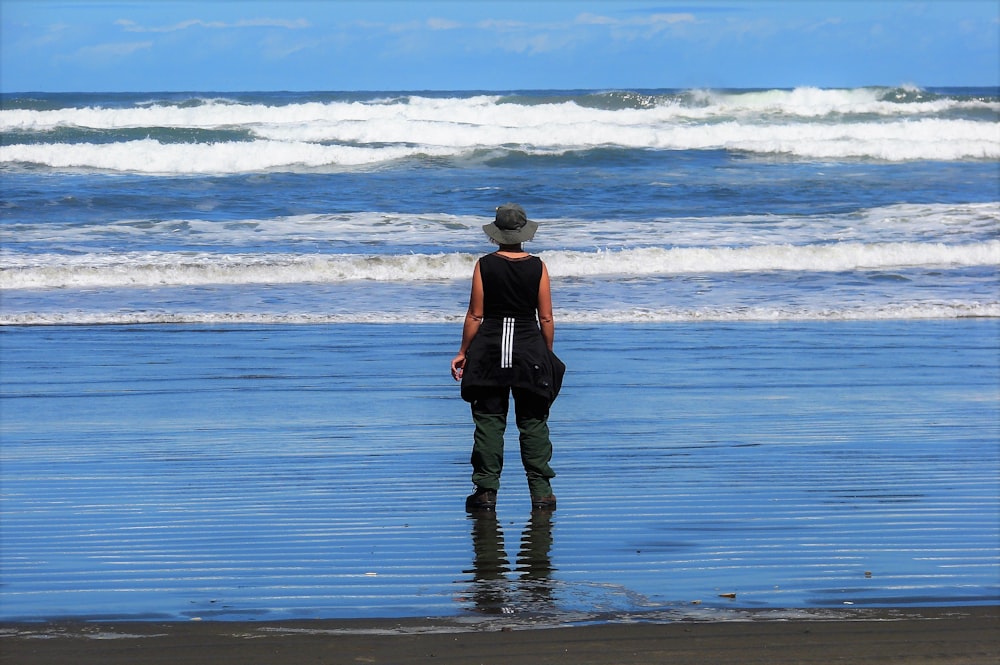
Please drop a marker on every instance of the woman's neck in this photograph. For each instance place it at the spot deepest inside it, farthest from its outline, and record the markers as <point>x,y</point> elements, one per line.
<point>511,249</point>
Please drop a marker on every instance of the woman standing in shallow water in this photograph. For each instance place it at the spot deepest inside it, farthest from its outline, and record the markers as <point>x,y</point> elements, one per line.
<point>507,349</point>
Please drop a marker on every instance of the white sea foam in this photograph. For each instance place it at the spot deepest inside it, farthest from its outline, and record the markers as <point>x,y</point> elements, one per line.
<point>822,258</point>
<point>810,102</point>
<point>495,110</point>
<point>776,314</point>
<point>892,141</point>
<point>806,122</point>
<point>943,310</point>
<point>940,140</point>
<point>956,223</point>
<point>153,157</point>
<point>155,269</point>
<point>944,140</point>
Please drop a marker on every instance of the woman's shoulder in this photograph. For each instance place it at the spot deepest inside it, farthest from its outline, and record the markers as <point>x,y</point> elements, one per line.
<point>528,261</point>
<point>498,256</point>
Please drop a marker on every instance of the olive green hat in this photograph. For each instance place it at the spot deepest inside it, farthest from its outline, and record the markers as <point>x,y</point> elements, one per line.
<point>511,226</point>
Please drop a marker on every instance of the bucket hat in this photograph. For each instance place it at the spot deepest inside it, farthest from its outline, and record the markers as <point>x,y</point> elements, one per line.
<point>511,226</point>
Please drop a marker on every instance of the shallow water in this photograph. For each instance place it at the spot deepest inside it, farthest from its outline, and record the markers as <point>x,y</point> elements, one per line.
<point>272,472</point>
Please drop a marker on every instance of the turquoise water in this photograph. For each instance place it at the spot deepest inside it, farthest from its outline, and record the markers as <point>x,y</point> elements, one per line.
<point>281,471</point>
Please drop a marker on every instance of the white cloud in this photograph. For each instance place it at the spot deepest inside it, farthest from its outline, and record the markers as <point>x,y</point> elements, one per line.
<point>113,50</point>
<point>276,48</point>
<point>672,18</point>
<point>409,26</point>
<point>528,37</point>
<point>595,19</point>
<point>532,44</point>
<point>442,24</point>
<point>823,23</point>
<point>651,20</point>
<point>635,28</point>
<point>297,24</point>
<point>496,24</point>
<point>54,33</point>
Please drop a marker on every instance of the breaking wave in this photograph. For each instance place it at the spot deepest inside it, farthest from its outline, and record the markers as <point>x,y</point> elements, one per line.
<point>634,315</point>
<point>155,269</point>
<point>221,136</point>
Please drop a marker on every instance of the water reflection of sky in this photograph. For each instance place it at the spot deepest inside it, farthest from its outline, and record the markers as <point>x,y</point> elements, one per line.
<point>272,472</point>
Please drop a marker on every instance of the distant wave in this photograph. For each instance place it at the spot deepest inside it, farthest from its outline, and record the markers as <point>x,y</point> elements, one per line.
<point>222,136</point>
<point>155,158</point>
<point>811,102</point>
<point>636,315</point>
<point>944,140</point>
<point>492,109</point>
<point>157,269</point>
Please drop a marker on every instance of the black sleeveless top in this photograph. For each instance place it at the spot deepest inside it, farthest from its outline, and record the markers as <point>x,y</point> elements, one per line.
<point>510,286</point>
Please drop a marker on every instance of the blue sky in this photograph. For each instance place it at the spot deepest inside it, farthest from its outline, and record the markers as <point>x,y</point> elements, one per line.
<point>160,45</point>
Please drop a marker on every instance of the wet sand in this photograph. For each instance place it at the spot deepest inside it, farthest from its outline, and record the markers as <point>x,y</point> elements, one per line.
<point>745,467</point>
<point>930,636</point>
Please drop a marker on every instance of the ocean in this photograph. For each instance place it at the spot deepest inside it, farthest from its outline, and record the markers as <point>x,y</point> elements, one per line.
<point>226,321</point>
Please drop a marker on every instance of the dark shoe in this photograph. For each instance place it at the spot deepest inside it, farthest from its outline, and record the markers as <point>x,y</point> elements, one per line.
<point>481,501</point>
<point>543,503</point>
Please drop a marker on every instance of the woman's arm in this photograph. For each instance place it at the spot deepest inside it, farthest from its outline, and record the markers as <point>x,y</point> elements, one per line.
<point>473,319</point>
<point>545,320</point>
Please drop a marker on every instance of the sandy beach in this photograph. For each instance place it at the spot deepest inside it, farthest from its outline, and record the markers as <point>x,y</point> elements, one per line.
<point>951,636</point>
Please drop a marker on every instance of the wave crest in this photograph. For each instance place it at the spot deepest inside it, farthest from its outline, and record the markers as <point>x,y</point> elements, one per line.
<point>183,137</point>
<point>184,269</point>
<point>637,315</point>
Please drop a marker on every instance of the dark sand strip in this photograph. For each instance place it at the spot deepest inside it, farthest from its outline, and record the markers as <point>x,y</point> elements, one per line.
<point>926,636</point>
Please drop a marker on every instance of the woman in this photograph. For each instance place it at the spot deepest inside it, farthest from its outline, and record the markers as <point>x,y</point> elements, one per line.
<point>507,348</point>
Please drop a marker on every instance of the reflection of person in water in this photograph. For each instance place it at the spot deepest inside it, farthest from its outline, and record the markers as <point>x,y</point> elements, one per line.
<point>489,564</point>
<point>493,591</point>
<point>534,563</point>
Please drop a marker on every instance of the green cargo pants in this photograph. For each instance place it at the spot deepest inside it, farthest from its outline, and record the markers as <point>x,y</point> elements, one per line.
<point>531,412</point>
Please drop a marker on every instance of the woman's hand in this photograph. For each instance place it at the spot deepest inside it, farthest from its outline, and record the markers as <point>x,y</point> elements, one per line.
<point>458,366</point>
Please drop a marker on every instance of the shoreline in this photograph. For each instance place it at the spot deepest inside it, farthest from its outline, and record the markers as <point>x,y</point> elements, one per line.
<point>933,635</point>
